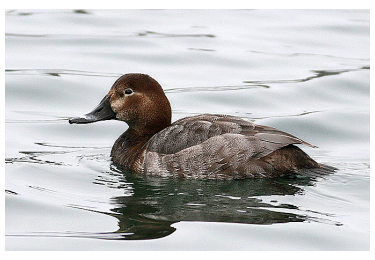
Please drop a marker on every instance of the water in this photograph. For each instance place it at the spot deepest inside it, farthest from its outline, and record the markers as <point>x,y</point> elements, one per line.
<point>303,71</point>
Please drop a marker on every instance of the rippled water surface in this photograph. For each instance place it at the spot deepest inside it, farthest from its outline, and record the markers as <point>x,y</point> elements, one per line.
<point>305,72</point>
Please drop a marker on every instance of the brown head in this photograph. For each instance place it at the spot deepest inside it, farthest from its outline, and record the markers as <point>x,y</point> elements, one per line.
<point>136,99</point>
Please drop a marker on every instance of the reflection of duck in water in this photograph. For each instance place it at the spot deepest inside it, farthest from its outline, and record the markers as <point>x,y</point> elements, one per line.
<point>199,147</point>
<point>157,203</point>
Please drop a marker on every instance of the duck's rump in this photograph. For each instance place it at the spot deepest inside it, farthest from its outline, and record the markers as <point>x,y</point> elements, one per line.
<point>223,147</point>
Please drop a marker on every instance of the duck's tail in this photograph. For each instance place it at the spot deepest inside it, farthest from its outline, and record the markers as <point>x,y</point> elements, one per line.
<point>319,171</point>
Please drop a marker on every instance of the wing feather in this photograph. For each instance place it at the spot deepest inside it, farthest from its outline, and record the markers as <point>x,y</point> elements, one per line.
<point>195,130</point>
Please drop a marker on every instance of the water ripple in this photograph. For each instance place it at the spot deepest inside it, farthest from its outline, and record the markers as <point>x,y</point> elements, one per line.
<point>148,34</point>
<point>59,72</point>
<point>34,12</point>
<point>297,54</point>
<point>317,74</point>
<point>214,88</point>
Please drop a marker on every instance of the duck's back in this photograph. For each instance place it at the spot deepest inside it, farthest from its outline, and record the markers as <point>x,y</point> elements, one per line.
<point>223,147</point>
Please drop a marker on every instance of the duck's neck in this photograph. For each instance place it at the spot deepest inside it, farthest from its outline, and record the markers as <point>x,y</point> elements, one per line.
<point>128,148</point>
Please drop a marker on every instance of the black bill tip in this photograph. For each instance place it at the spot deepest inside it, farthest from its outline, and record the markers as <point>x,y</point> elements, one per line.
<point>102,112</point>
<point>80,120</point>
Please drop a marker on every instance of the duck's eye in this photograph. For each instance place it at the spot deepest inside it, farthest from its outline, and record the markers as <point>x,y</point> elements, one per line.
<point>128,91</point>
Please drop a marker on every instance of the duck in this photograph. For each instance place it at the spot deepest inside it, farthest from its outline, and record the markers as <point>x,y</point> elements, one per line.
<point>206,146</point>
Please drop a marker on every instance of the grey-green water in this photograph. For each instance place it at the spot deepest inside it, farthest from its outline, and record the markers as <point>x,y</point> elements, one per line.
<point>305,72</point>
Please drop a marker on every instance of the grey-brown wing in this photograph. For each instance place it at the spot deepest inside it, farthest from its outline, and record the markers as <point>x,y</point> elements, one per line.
<point>195,130</point>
